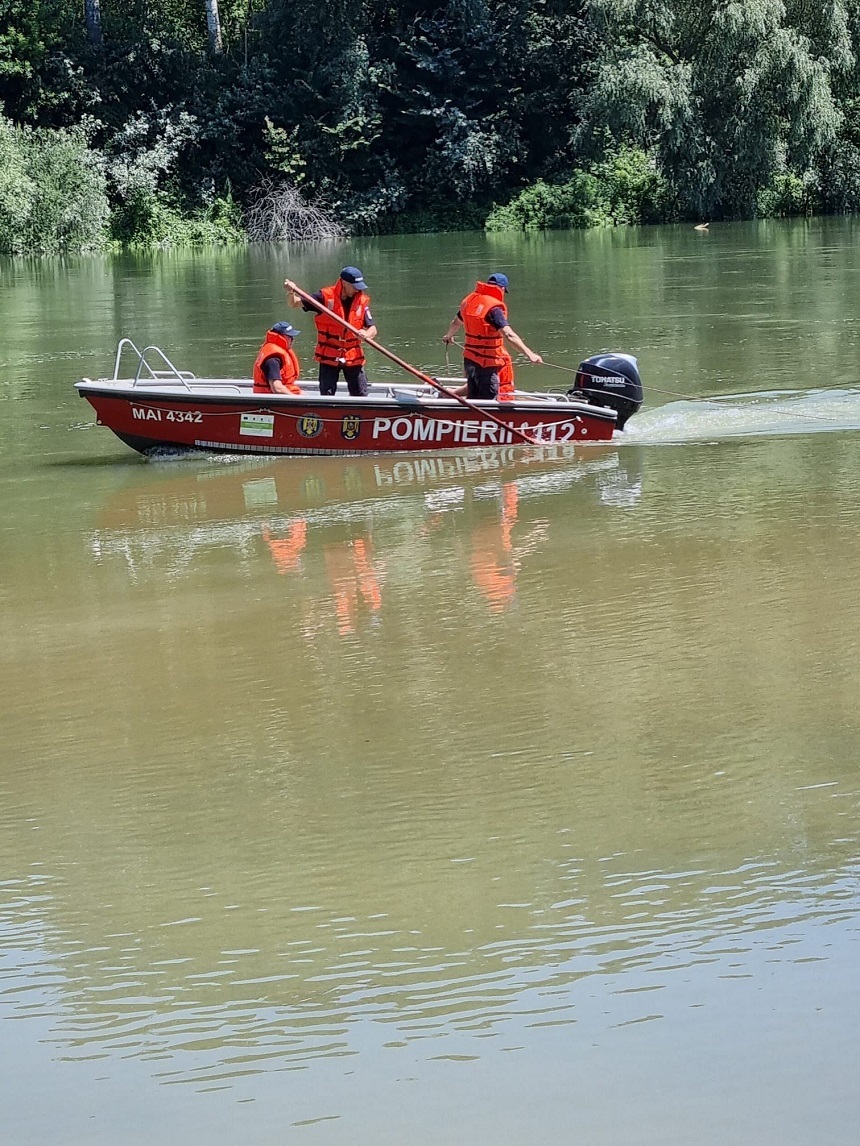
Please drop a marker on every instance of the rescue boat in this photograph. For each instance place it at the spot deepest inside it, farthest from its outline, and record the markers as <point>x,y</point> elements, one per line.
<point>162,408</point>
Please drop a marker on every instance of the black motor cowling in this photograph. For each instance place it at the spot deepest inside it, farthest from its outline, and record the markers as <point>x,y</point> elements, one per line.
<point>610,380</point>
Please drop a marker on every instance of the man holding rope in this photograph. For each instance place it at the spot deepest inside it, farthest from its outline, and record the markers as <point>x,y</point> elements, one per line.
<point>338,348</point>
<point>485,316</point>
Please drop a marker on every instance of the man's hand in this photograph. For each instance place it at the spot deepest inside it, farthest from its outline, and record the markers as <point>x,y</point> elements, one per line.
<point>454,326</point>
<point>535,359</point>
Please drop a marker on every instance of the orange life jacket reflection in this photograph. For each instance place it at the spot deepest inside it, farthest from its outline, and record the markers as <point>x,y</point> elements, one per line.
<point>286,551</point>
<point>484,344</point>
<point>353,576</point>
<point>494,567</point>
<point>337,346</point>
<point>276,346</point>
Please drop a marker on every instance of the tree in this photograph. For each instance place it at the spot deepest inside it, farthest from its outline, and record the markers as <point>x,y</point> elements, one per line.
<point>730,93</point>
<point>93,18</point>
<point>213,24</point>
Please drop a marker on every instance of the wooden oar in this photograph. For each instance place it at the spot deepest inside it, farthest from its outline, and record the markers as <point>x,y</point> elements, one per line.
<point>425,378</point>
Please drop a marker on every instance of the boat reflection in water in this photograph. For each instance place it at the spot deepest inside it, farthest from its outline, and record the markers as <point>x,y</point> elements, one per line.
<point>341,530</point>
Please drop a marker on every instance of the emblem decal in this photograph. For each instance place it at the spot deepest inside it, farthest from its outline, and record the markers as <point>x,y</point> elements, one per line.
<point>351,427</point>
<point>310,425</point>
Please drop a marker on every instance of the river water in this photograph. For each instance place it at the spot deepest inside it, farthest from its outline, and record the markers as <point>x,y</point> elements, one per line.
<point>496,797</point>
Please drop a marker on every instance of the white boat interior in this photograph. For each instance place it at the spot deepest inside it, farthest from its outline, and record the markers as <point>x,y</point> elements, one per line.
<point>165,379</point>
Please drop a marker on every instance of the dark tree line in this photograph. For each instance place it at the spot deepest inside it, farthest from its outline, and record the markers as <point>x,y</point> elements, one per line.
<point>396,116</point>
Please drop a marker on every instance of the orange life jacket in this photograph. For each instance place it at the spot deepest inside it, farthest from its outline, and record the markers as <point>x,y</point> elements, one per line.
<point>506,380</point>
<point>276,346</point>
<point>484,345</point>
<point>337,346</point>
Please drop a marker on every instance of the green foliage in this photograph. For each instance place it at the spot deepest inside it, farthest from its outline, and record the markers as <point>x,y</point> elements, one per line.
<point>148,206</point>
<point>408,116</point>
<point>625,188</point>
<point>139,158</point>
<point>166,224</point>
<point>786,195</point>
<point>32,33</point>
<point>282,152</point>
<point>17,189</point>
<point>52,191</point>
<point>368,212</point>
<point>407,112</point>
<point>837,169</point>
<point>631,187</point>
<point>465,216</point>
<point>544,206</point>
<point>725,91</point>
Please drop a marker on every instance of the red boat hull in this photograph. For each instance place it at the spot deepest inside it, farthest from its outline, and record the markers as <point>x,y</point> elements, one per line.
<point>261,424</point>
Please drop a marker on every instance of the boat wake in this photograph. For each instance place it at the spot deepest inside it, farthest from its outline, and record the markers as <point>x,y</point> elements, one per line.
<point>764,413</point>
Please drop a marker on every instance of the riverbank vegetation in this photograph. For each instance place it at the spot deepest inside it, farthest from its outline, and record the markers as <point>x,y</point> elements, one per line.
<point>156,122</point>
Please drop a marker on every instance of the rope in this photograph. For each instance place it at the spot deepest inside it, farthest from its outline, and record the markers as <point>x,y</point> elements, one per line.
<point>722,403</point>
<point>669,393</point>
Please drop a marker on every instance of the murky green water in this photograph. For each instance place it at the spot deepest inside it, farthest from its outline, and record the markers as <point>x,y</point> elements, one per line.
<point>488,798</point>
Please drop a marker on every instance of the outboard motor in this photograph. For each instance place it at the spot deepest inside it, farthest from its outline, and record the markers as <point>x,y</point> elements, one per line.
<point>610,380</point>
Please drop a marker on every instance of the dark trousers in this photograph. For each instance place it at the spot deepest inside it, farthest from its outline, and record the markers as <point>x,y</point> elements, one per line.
<point>483,381</point>
<point>356,379</point>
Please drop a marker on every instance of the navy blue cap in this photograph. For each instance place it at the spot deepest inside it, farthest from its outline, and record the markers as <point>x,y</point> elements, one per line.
<point>285,330</point>
<point>499,280</point>
<point>353,275</point>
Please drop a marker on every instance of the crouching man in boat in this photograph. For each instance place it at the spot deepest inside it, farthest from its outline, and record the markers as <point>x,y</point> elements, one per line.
<point>338,348</point>
<point>486,361</point>
<point>276,370</point>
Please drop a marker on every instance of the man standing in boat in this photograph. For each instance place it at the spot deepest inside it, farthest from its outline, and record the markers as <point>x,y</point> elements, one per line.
<point>484,314</point>
<point>276,370</point>
<point>338,349</point>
